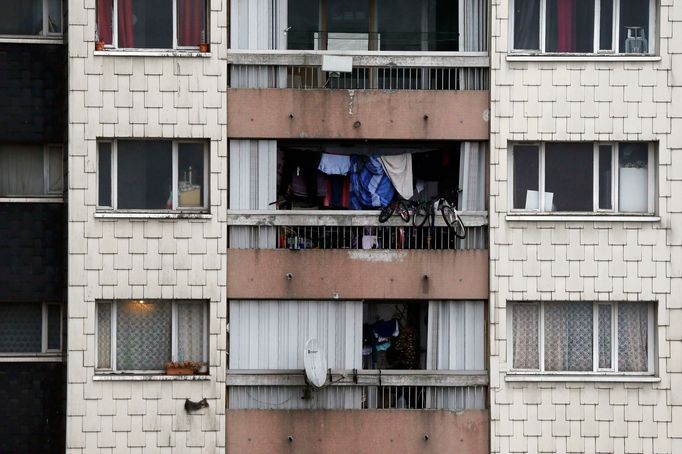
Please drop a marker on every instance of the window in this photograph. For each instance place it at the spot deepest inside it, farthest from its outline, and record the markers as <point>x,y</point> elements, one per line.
<point>143,335</point>
<point>31,17</point>
<point>152,24</point>
<point>30,328</point>
<point>153,175</point>
<point>30,170</point>
<point>583,177</point>
<point>585,26</point>
<point>582,337</point>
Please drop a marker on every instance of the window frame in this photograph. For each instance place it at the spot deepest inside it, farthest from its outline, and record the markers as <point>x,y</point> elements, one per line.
<point>615,169</point>
<point>615,41</point>
<point>45,33</point>
<point>45,351</point>
<point>174,335</point>
<point>47,194</point>
<point>596,370</point>
<point>174,178</point>
<point>114,31</point>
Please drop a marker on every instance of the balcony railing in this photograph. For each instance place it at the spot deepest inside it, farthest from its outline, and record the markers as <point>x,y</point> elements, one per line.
<point>304,229</point>
<point>385,71</point>
<point>359,390</point>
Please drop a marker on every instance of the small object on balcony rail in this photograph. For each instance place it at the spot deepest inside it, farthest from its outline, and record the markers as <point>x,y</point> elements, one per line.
<point>194,406</point>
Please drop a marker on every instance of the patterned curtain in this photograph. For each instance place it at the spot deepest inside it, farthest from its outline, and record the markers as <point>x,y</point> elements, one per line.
<point>143,335</point>
<point>525,336</point>
<point>104,335</point>
<point>191,336</point>
<point>191,23</point>
<point>633,322</point>
<point>21,328</point>
<point>605,336</point>
<point>568,336</point>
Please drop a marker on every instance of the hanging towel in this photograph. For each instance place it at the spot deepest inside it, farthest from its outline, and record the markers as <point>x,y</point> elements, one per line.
<point>334,164</point>
<point>399,169</point>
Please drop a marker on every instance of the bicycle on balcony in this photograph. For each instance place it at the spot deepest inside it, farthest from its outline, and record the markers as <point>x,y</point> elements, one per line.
<point>424,213</point>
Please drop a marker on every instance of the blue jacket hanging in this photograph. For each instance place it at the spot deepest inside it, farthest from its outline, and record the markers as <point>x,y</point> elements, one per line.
<point>370,187</point>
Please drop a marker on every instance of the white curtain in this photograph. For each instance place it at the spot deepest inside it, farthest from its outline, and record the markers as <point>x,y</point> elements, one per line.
<point>191,334</point>
<point>21,170</point>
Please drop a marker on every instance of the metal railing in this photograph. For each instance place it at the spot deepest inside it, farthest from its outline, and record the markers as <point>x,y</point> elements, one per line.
<point>306,229</point>
<point>359,390</point>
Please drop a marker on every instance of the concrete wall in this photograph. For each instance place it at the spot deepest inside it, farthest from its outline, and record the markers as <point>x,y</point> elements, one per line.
<point>144,96</point>
<point>588,100</point>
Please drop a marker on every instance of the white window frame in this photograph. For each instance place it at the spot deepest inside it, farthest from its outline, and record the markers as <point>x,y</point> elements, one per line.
<point>114,30</point>
<point>596,370</point>
<point>174,170</point>
<point>44,350</point>
<point>50,195</point>
<point>174,334</point>
<point>615,41</point>
<point>615,169</point>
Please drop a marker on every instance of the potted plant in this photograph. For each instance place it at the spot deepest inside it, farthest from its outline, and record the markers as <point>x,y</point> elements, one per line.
<point>184,367</point>
<point>99,43</point>
<point>203,45</point>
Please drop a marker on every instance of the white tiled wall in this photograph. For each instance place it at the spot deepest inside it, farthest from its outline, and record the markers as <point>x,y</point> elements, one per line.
<point>595,260</point>
<point>143,97</point>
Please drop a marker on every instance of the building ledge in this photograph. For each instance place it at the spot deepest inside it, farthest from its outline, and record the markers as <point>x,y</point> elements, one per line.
<point>148,215</point>
<point>583,378</point>
<point>148,377</point>
<point>580,218</point>
<point>31,200</point>
<point>582,58</point>
<point>151,53</point>
<point>23,39</point>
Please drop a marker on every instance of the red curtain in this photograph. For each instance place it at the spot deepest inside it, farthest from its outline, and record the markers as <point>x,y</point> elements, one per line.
<point>126,37</point>
<point>104,11</point>
<point>190,22</point>
<point>566,26</point>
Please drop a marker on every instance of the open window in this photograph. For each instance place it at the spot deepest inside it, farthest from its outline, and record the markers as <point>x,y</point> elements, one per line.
<point>31,18</point>
<point>31,171</point>
<point>152,24</point>
<point>30,329</point>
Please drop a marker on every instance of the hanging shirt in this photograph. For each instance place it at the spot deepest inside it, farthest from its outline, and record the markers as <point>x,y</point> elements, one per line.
<point>334,164</point>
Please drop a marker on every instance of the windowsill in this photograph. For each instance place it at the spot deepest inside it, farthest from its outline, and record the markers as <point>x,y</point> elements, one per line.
<point>120,376</point>
<point>580,57</point>
<point>32,39</point>
<point>590,377</point>
<point>551,217</point>
<point>56,357</point>
<point>150,215</point>
<point>152,53</point>
<point>31,200</point>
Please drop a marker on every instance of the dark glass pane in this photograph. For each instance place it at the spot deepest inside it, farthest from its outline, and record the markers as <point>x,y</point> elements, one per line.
<point>54,16</point>
<point>570,26</point>
<point>304,22</point>
<point>143,334</point>
<point>145,174</point>
<point>104,174</point>
<point>24,17</point>
<point>526,177</point>
<point>348,25</point>
<point>21,328</point>
<point>606,25</point>
<point>145,24</point>
<point>633,177</point>
<point>54,323</point>
<point>569,174</point>
<point>21,170</point>
<point>527,24</point>
<point>191,174</point>
<point>408,25</point>
<point>634,26</point>
<point>605,177</point>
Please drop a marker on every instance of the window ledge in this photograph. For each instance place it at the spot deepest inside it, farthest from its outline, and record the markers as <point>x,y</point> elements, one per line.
<point>607,378</point>
<point>581,57</point>
<point>148,377</point>
<point>581,218</point>
<point>151,53</point>
<point>28,39</point>
<point>148,215</point>
<point>32,358</point>
<point>31,200</point>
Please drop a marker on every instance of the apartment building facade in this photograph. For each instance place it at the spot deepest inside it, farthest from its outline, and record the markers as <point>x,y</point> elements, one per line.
<point>32,213</point>
<point>585,318</point>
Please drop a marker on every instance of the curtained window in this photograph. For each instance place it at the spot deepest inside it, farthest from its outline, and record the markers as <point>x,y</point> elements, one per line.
<point>30,328</point>
<point>27,17</point>
<point>30,170</point>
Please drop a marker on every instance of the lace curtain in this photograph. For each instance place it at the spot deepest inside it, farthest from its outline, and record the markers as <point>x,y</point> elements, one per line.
<point>525,336</point>
<point>568,336</point>
<point>633,322</point>
<point>191,335</point>
<point>143,335</point>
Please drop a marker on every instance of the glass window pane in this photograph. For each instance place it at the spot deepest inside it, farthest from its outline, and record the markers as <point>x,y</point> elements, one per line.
<point>21,328</point>
<point>54,324</point>
<point>54,16</point>
<point>104,174</point>
<point>23,17</point>
<point>348,25</point>
<point>191,174</point>
<point>104,335</point>
<point>606,25</point>
<point>144,174</point>
<point>605,177</point>
<point>634,26</point>
<point>633,177</point>
<point>21,170</point>
<point>406,25</point>
<point>633,332</point>
<point>104,20</point>
<point>570,26</point>
<point>191,22</point>
<point>143,334</point>
<point>191,335</point>
<point>568,336</point>
<point>55,172</point>
<point>527,24</point>
<point>525,336</point>
<point>526,177</point>
<point>605,336</point>
<point>569,174</point>
<point>145,24</point>
<point>304,22</point>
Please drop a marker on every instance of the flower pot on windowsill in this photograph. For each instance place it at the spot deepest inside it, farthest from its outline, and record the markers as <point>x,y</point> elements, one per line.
<point>99,46</point>
<point>203,48</point>
<point>183,367</point>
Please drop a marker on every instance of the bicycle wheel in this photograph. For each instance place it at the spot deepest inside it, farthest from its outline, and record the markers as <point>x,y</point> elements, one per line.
<point>387,212</point>
<point>404,211</point>
<point>454,221</point>
<point>421,214</point>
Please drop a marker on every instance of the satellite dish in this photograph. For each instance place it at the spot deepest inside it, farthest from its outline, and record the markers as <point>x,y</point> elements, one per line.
<point>315,363</point>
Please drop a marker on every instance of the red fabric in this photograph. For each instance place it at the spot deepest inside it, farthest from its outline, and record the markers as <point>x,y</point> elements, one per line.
<point>190,22</point>
<point>566,25</point>
<point>104,11</point>
<point>126,37</point>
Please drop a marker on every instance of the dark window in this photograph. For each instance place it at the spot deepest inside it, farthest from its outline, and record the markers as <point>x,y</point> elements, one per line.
<point>527,24</point>
<point>104,174</point>
<point>634,26</point>
<point>21,328</point>
<point>605,176</point>
<point>526,177</point>
<point>30,170</point>
<point>25,17</point>
<point>606,25</point>
<point>144,174</point>
<point>304,23</point>
<point>191,175</point>
<point>570,26</point>
<point>569,176</point>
